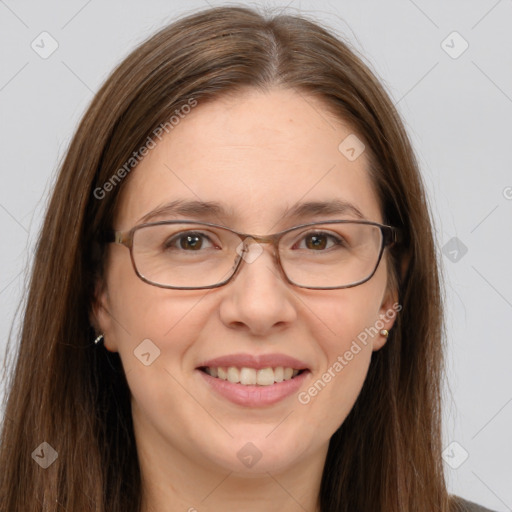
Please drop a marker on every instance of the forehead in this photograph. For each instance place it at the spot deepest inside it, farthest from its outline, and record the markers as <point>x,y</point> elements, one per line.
<point>259,154</point>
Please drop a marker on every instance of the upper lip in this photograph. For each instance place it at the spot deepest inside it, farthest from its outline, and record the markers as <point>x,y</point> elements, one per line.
<point>258,362</point>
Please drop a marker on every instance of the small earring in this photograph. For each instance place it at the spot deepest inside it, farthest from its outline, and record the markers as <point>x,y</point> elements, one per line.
<point>98,339</point>
<point>384,332</point>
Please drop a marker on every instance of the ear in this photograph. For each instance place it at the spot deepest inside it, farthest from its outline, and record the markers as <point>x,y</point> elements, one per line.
<point>388,312</point>
<point>100,317</point>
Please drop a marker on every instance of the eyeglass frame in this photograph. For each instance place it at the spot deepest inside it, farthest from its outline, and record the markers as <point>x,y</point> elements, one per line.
<point>390,236</point>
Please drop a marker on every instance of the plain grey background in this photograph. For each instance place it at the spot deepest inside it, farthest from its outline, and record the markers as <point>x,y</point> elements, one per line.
<point>448,68</point>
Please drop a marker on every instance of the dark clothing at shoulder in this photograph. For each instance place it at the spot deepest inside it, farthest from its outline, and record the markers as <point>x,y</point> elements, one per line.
<point>469,506</point>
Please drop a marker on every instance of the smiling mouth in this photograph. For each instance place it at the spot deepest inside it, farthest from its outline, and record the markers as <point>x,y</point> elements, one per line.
<point>252,376</point>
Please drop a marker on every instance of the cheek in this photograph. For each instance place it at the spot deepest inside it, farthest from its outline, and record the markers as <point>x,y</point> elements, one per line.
<point>347,315</point>
<point>171,323</point>
<point>347,348</point>
<point>332,393</point>
<point>147,319</point>
<point>156,337</point>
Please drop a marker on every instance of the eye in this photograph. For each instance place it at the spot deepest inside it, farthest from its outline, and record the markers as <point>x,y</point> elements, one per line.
<point>188,241</point>
<point>319,241</point>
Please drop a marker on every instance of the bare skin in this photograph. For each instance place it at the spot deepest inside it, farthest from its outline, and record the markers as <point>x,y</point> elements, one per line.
<point>257,154</point>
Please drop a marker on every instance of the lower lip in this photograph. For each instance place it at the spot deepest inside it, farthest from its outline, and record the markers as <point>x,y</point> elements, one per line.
<point>255,396</point>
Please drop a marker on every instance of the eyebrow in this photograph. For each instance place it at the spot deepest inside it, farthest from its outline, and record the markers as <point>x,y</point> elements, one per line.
<point>211,209</point>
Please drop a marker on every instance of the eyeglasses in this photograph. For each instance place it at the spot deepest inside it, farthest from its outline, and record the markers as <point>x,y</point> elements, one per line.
<point>189,255</point>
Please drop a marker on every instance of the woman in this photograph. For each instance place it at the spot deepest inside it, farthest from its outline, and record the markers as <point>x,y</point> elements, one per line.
<point>235,299</point>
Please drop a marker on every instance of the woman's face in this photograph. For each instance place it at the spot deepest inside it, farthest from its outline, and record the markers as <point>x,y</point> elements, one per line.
<point>258,155</point>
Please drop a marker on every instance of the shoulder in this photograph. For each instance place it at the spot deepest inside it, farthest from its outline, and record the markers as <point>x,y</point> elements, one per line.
<point>468,506</point>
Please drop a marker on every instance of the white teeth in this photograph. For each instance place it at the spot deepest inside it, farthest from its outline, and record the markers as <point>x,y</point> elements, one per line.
<point>233,374</point>
<point>251,376</point>
<point>265,377</point>
<point>248,376</point>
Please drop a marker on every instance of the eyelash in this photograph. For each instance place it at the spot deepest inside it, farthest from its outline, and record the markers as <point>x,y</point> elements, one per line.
<point>176,238</point>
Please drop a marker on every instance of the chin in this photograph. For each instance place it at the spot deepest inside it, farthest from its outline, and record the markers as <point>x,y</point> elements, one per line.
<point>256,453</point>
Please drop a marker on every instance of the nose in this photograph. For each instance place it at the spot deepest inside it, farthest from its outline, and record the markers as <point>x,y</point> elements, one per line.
<point>258,299</point>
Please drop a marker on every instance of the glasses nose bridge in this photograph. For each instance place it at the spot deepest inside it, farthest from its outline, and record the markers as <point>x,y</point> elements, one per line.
<point>263,239</point>
<point>273,240</point>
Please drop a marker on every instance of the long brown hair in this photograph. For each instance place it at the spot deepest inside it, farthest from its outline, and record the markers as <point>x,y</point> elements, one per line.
<point>73,395</point>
